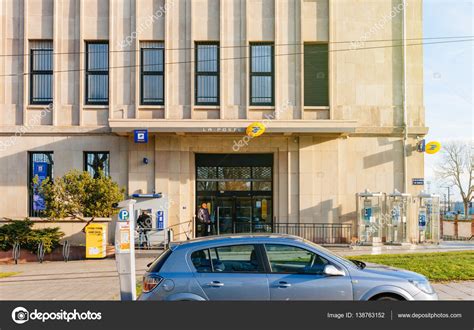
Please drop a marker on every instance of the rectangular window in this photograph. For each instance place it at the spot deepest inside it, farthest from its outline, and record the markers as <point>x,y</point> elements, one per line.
<point>40,167</point>
<point>228,259</point>
<point>152,73</point>
<point>41,72</point>
<point>294,260</point>
<point>316,81</point>
<point>97,73</point>
<point>207,73</point>
<point>96,161</point>
<point>261,74</point>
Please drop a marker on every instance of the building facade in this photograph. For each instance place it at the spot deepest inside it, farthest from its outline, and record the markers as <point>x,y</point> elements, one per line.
<point>325,78</point>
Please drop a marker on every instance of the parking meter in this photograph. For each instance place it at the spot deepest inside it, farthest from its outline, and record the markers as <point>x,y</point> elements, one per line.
<point>125,249</point>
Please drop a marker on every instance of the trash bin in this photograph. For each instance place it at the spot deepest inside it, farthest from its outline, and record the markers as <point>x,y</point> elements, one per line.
<point>96,240</point>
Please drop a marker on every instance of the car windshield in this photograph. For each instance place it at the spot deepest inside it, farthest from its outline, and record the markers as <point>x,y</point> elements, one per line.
<point>336,256</point>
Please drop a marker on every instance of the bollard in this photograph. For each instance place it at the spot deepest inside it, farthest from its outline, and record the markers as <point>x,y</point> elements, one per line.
<point>16,252</point>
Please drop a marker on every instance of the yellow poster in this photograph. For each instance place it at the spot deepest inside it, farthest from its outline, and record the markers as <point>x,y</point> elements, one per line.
<point>96,240</point>
<point>264,209</point>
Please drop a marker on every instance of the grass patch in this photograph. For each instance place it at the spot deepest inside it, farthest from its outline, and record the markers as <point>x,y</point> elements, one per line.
<point>8,274</point>
<point>436,266</point>
<point>139,288</point>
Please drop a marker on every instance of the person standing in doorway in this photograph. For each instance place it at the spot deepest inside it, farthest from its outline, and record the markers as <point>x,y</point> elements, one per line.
<point>204,219</point>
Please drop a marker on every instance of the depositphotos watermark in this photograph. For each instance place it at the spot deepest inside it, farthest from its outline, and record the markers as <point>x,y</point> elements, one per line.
<point>21,315</point>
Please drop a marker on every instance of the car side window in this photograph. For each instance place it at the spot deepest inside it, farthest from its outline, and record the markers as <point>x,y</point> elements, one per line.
<point>236,259</point>
<point>201,261</point>
<point>227,259</point>
<point>294,260</point>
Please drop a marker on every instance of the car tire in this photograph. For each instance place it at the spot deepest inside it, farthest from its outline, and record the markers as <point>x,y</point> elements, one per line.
<point>387,298</point>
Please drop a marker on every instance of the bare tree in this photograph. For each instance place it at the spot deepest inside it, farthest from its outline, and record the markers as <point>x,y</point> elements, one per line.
<point>456,169</point>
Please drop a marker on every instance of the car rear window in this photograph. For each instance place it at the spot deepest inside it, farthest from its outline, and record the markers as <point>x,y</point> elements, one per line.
<point>156,265</point>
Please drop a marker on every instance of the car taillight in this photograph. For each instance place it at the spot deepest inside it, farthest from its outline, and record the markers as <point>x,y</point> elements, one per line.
<point>151,281</point>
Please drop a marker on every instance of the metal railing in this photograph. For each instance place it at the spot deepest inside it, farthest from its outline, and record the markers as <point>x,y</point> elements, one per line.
<point>154,238</point>
<point>321,233</point>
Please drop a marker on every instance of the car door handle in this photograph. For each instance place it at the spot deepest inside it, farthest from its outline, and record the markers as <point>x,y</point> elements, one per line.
<point>283,284</point>
<point>216,284</point>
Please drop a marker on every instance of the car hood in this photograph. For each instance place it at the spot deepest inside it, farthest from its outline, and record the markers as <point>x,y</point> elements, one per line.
<point>383,270</point>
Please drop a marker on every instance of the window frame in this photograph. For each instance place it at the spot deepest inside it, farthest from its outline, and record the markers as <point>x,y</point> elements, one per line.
<point>96,73</point>
<point>30,176</point>
<point>34,72</point>
<point>262,74</point>
<point>144,73</point>
<point>216,74</point>
<point>257,247</point>
<point>269,265</point>
<point>328,77</point>
<point>86,153</point>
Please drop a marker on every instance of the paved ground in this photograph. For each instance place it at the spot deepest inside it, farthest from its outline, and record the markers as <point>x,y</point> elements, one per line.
<point>98,280</point>
<point>74,280</point>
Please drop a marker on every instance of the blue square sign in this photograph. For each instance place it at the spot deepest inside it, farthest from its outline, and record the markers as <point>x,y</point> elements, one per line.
<point>140,136</point>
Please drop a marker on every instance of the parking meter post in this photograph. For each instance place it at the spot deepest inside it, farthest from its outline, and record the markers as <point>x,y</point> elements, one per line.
<point>125,250</point>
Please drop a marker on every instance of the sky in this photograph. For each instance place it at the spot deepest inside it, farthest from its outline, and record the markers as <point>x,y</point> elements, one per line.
<point>448,79</point>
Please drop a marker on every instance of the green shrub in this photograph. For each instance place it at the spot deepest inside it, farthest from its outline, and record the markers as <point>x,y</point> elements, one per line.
<point>22,231</point>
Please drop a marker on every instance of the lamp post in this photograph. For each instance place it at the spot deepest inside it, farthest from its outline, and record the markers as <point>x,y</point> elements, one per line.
<point>449,197</point>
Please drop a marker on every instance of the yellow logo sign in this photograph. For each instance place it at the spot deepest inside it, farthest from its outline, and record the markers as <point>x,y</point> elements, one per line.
<point>433,147</point>
<point>255,129</point>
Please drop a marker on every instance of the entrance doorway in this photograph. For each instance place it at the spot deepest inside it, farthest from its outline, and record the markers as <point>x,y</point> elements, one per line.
<point>237,190</point>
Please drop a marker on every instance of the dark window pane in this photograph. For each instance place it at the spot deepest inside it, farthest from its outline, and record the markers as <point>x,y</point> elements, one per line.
<point>98,88</point>
<point>97,75</point>
<point>206,58</point>
<point>262,186</point>
<point>261,89</point>
<point>98,57</point>
<point>42,60</point>
<point>236,259</point>
<point>234,185</point>
<point>262,58</point>
<point>234,172</point>
<point>153,88</point>
<point>261,172</point>
<point>207,74</point>
<point>204,172</point>
<point>294,260</point>
<point>42,88</point>
<point>96,162</point>
<point>316,81</point>
<point>206,186</point>
<point>153,60</point>
<point>207,89</point>
<point>41,167</point>
<point>201,261</point>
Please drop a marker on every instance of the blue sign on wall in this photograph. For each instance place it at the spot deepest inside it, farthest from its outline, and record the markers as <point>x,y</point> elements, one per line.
<point>160,220</point>
<point>140,136</point>
<point>418,181</point>
<point>40,170</point>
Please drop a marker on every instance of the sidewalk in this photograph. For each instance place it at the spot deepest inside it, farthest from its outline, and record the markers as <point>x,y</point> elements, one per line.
<point>98,280</point>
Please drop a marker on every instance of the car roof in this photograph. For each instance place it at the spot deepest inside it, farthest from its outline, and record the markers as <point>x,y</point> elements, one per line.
<point>236,239</point>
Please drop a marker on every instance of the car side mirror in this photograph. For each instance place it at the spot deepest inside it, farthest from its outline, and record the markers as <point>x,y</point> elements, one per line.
<point>331,270</point>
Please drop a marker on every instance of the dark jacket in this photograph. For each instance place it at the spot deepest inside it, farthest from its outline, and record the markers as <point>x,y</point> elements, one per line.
<point>203,215</point>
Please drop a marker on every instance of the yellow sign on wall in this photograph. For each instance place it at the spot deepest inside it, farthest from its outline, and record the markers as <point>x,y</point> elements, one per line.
<point>96,240</point>
<point>432,147</point>
<point>255,129</point>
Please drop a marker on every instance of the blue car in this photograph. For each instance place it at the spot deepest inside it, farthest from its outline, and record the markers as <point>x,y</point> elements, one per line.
<point>273,267</point>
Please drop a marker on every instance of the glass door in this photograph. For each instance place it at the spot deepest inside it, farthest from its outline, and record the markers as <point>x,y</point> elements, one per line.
<point>224,215</point>
<point>243,215</point>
